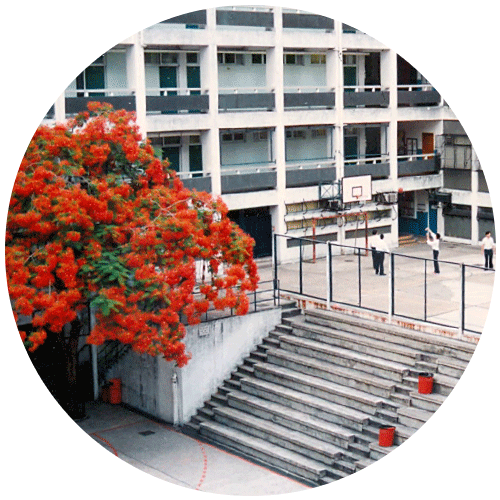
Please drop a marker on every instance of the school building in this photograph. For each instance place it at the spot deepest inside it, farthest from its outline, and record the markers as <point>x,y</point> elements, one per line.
<point>304,125</point>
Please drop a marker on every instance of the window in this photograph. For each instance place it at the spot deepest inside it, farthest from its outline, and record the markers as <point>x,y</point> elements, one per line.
<point>318,58</point>
<point>192,58</point>
<point>233,137</point>
<point>160,58</point>
<point>296,134</point>
<point>290,59</point>
<point>230,58</point>
<point>258,58</point>
<point>261,135</point>
<point>92,78</point>
<point>319,132</point>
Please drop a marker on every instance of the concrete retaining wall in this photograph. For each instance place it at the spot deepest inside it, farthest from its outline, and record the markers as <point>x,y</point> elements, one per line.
<point>173,395</point>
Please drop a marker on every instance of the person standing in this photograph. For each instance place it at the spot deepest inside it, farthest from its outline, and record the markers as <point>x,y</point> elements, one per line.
<point>372,245</point>
<point>488,247</point>
<point>433,241</point>
<point>381,249</point>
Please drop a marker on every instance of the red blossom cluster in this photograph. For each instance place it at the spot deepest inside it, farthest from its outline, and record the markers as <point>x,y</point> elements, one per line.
<point>95,218</point>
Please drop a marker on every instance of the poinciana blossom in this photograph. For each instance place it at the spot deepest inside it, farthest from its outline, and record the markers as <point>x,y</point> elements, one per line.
<point>96,219</point>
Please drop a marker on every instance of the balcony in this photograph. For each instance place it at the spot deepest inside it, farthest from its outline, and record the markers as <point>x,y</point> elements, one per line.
<point>418,95</point>
<point>248,178</point>
<point>176,100</point>
<point>366,96</point>
<point>296,20</point>
<point>251,17</point>
<point>201,181</point>
<point>76,100</point>
<point>305,174</point>
<point>377,167</point>
<point>191,20</point>
<point>246,99</point>
<point>309,97</point>
<point>418,165</point>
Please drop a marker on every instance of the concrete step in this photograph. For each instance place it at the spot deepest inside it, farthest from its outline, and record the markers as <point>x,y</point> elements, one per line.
<point>401,434</point>
<point>364,463</point>
<point>442,383</point>
<point>360,343</point>
<point>325,370</point>
<point>345,357</point>
<point>428,402</point>
<point>267,453</point>
<point>279,435</point>
<point>451,367</point>
<point>306,403</point>
<point>315,386</point>
<point>425,342</point>
<point>377,452</point>
<point>413,417</point>
<point>292,419</point>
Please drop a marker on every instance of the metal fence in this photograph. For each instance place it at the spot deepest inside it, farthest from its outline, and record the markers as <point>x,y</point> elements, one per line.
<point>334,273</point>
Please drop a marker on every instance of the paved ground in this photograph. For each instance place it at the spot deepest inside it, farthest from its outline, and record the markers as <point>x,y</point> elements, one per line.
<point>48,456</point>
<point>163,452</point>
<point>419,293</point>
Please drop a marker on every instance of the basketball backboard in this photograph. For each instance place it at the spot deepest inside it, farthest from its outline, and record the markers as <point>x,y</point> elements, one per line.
<point>356,189</point>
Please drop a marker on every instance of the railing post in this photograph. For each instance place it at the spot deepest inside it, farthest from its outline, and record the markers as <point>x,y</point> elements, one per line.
<point>391,286</point>
<point>425,290</point>
<point>300,266</point>
<point>359,277</point>
<point>328,275</point>
<point>275,268</point>
<point>462,301</point>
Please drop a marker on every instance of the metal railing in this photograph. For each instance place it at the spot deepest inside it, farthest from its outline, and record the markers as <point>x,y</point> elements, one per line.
<point>333,273</point>
<point>265,297</point>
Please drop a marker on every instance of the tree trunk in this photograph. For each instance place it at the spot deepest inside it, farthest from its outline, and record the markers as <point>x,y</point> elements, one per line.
<point>73,405</point>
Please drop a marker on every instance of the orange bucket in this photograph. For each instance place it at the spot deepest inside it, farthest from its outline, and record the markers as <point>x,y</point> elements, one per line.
<point>425,383</point>
<point>115,391</point>
<point>386,435</point>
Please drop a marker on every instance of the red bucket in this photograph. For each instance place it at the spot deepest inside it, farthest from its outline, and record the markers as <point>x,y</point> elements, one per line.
<point>386,435</point>
<point>115,391</point>
<point>425,383</point>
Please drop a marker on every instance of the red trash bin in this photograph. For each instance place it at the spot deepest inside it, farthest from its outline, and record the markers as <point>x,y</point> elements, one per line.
<point>115,391</point>
<point>425,383</point>
<point>386,435</point>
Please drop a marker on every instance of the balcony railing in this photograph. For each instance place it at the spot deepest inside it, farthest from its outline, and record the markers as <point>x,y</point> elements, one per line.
<point>376,166</point>
<point>199,180</point>
<point>246,98</point>
<point>309,97</point>
<point>418,164</point>
<point>76,100</point>
<point>365,95</point>
<point>175,100</point>
<point>310,173</point>
<point>418,95</point>
<point>248,178</point>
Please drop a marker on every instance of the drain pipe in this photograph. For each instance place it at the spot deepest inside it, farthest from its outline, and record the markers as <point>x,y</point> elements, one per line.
<point>175,400</point>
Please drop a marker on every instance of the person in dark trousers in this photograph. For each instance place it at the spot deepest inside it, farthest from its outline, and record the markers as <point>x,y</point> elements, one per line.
<point>380,248</point>
<point>373,239</point>
<point>433,241</point>
<point>488,248</point>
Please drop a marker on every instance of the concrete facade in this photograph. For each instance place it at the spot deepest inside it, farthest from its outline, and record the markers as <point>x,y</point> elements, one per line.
<point>271,108</point>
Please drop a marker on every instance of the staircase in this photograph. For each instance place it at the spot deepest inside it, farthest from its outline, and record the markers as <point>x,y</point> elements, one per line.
<point>310,399</point>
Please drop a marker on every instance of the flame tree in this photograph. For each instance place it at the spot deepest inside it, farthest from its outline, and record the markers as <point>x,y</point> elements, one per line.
<point>95,219</point>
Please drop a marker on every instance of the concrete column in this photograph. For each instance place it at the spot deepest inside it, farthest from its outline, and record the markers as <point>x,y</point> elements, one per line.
<point>275,81</point>
<point>136,79</point>
<point>389,79</point>
<point>60,108</point>
<point>474,236</point>
<point>209,83</point>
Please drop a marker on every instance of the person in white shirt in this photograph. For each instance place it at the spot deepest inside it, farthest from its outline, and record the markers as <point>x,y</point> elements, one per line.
<point>488,247</point>
<point>381,249</point>
<point>433,241</point>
